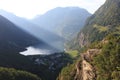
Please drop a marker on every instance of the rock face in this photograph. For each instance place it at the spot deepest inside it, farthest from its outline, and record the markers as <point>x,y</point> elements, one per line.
<point>82,69</point>
<point>85,70</point>
<point>82,40</point>
<point>78,75</point>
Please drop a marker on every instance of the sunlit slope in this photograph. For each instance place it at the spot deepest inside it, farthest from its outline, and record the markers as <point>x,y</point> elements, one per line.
<point>13,38</point>
<point>51,39</point>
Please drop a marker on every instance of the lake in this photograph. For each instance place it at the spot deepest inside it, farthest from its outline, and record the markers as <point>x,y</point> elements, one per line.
<point>38,50</point>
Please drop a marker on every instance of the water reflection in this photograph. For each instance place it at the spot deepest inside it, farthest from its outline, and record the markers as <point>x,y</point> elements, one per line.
<point>36,51</point>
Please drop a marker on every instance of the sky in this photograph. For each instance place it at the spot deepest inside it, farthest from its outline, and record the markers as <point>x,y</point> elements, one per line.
<point>31,8</point>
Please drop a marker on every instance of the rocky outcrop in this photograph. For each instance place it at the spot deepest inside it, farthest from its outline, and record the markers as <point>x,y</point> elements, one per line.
<point>85,70</point>
<point>90,54</point>
<point>82,40</point>
<point>78,75</point>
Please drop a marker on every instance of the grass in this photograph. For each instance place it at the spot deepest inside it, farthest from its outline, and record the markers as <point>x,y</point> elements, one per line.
<point>101,28</point>
<point>72,53</point>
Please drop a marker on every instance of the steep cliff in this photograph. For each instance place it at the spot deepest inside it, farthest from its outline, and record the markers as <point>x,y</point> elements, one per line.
<point>101,37</point>
<point>87,70</point>
<point>103,22</point>
<point>100,62</point>
<point>82,69</point>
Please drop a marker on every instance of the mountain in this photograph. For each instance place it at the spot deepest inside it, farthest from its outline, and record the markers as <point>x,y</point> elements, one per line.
<point>100,39</point>
<point>51,39</point>
<point>12,41</point>
<point>65,22</point>
<point>101,61</point>
<point>13,38</point>
<point>55,27</point>
<point>103,22</point>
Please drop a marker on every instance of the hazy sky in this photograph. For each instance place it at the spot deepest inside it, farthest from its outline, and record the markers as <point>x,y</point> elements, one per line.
<point>30,8</point>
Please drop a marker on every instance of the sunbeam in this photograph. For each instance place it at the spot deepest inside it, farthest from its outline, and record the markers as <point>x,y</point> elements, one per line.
<point>46,36</point>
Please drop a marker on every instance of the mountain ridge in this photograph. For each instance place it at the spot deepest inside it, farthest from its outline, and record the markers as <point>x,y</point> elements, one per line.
<point>42,34</point>
<point>100,37</point>
<point>58,20</point>
<point>9,31</point>
<point>102,22</point>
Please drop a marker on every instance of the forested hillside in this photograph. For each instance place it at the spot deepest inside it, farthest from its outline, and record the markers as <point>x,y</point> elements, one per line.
<point>100,39</point>
<point>93,49</point>
<point>103,22</point>
<point>13,74</point>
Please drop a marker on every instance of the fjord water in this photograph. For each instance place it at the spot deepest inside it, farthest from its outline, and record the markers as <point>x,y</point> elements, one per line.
<point>39,50</point>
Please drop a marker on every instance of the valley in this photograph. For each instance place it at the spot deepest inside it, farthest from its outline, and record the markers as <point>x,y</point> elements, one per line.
<point>45,57</point>
<point>65,43</point>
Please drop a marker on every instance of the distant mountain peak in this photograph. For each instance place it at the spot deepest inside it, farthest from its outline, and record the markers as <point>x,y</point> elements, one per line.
<point>63,21</point>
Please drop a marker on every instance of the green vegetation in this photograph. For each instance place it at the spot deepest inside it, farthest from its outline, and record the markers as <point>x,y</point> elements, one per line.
<point>49,66</point>
<point>72,44</point>
<point>105,22</point>
<point>107,63</point>
<point>67,73</point>
<point>96,44</point>
<point>73,53</point>
<point>101,28</point>
<point>12,74</point>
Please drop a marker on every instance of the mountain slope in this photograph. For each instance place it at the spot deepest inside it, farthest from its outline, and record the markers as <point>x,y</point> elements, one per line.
<point>99,62</point>
<point>25,24</point>
<point>42,34</point>
<point>12,41</point>
<point>65,22</point>
<point>12,37</point>
<point>101,37</point>
<point>104,21</point>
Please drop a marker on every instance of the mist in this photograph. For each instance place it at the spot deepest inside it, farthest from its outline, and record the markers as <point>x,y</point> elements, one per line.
<point>54,28</point>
